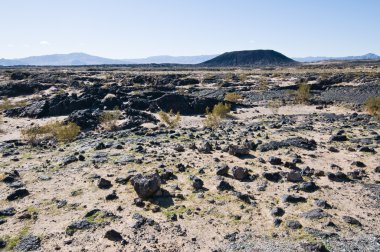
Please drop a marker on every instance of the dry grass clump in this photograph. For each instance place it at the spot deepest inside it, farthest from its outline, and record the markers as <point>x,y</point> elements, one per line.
<point>170,119</point>
<point>1,124</point>
<point>7,104</point>
<point>232,97</point>
<point>372,105</point>
<point>108,119</point>
<point>275,105</point>
<point>303,93</point>
<point>219,112</point>
<point>263,85</point>
<point>58,131</point>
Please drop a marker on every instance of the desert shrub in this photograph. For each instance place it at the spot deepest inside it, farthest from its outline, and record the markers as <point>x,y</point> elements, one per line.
<point>212,121</point>
<point>372,105</point>
<point>1,125</point>
<point>221,109</point>
<point>228,76</point>
<point>303,93</point>
<point>170,119</point>
<point>108,119</point>
<point>275,105</point>
<point>263,85</point>
<point>59,131</point>
<point>232,97</point>
<point>7,104</point>
<point>219,112</point>
<point>66,132</point>
<point>243,77</point>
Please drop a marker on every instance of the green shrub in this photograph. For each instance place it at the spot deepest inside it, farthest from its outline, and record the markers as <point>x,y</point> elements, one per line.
<point>372,105</point>
<point>219,112</point>
<point>108,119</point>
<point>59,131</point>
<point>303,93</point>
<point>12,241</point>
<point>170,119</point>
<point>232,97</point>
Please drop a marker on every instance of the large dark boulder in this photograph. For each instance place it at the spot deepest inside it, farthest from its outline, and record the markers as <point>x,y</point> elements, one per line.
<point>298,142</point>
<point>65,104</point>
<point>36,109</point>
<point>86,118</point>
<point>55,106</point>
<point>19,75</point>
<point>12,89</point>
<point>186,105</point>
<point>146,186</point>
<point>28,243</point>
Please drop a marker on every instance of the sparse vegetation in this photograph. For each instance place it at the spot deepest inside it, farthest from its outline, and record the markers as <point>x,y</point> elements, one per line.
<point>1,124</point>
<point>14,240</point>
<point>170,119</point>
<point>58,131</point>
<point>242,77</point>
<point>275,105</point>
<point>372,105</point>
<point>7,104</point>
<point>303,93</point>
<point>232,97</point>
<point>219,112</point>
<point>108,119</point>
<point>263,85</point>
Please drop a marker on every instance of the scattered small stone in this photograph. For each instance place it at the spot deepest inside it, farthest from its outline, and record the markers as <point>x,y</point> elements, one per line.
<point>322,204</point>
<point>79,225</point>
<point>275,160</point>
<point>338,138</point>
<point>205,148</point>
<point>272,176</point>
<point>309,187</point>
<point>18,194</point>
<point>113,235</point>
<point>351,220</point>
<point>277,211</point>
<point>222,170</point>
<point>292,199</point>
<point>294,177</point>
<point>277,222</point>
<point>112,196</point>
<point>197,182</point>
<point>28,243</point>
<point>293,224</point>
<point>315,214</point>
<point>313,247</point>
<point>146,186</point>
<point>10,211</point>
<point>240,173</point>
<point>237,150</point>
<point>224,186</point>
<point>104,184</point>
<point>358,164</point>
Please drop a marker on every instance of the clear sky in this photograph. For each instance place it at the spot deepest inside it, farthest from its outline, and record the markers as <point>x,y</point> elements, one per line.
<point>139,28</point>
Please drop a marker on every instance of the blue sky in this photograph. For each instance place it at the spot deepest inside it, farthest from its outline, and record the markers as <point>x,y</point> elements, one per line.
<point>139,28</point>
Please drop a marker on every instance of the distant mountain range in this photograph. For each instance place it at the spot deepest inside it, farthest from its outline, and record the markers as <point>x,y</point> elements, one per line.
<point>368,56</point>
<point>76,59</point>
<point>73,59</point>
<point>249,58</point>
<point>173,59</point>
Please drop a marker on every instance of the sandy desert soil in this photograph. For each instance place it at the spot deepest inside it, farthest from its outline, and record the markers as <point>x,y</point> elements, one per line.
<point>307,177</point>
